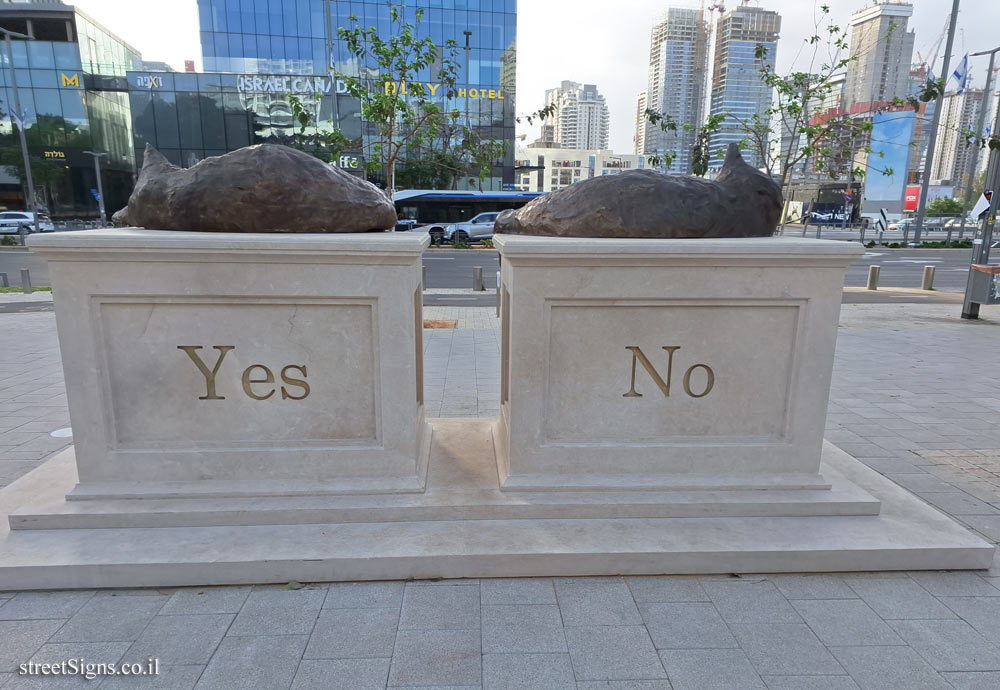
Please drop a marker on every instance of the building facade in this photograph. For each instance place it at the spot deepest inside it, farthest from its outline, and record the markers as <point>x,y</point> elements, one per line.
<point>678,70</point>
<point>639,139</point>
<point>881,53</point>
<point>955,139</point>
<point>70,82</point>
<point>546,170</point>
<point>581,119</point>
<point>299,38</point>
<point>738,93</point>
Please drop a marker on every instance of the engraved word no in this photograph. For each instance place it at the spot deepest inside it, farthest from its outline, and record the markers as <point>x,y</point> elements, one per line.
<point>664,385</point>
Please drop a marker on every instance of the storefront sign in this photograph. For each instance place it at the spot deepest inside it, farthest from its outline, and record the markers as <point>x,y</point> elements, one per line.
<point>262,83</point>
<point>432,90</point>
<point>148,81</point>
<point>70,81</point>
<point>55,154</point>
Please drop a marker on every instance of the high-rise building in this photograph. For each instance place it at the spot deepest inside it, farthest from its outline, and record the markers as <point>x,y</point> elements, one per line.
<point>70,82</point>
<point>881,52</point>
<point>953,149</point>
<point>639,140</point>
<point>738,92</point>
<point>678,66</point>
<point>549,169</point>
<point>581,119</point>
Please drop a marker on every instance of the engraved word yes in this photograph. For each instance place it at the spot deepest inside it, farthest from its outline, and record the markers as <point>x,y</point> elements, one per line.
<point>264,377</point>
<point>664,385</point>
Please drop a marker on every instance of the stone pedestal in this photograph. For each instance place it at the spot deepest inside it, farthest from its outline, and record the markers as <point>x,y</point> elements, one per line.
<point>213,364</point>
<point>671,364</point>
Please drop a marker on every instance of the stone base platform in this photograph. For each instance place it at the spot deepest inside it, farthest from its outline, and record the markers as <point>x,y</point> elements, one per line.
<point>464,526</point>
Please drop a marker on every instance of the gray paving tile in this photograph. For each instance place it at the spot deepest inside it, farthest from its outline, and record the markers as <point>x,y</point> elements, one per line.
<point>361,595</point>
<point>813,587</point>
<point>106,619</point>
<point>613,653</point>
<point>528,629</point>
<point>341,674</point>
<point>180,640</point>
<point>262,661</point>
<point>4,677</point>
<point>846,622</point>
<point>665,588</point>
<point>278,612</point>
<point>686,625</point>
<point>785,649</point>
<point>590,602</point>
<point>623,685</point>
<point>898,598</point>
<point>889,668</point>
<point>169,678</point>
<point>742,602</point>
<point>512,591</point>
<point>959,504</point>
<point>710,669</point>
<point>956,584</point>
<point>950,645</point>
<point>436,657</point>
<point>45,605</point>
<point>344,633</point>
<point>987,525</point>
<point>528,672</point>
<point>971,680</point>
<point>809,683</point>
<point>206,600</point>
<point>444,607</point>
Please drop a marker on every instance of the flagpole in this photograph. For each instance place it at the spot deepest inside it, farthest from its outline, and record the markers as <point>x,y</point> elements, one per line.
<point>932,140</point>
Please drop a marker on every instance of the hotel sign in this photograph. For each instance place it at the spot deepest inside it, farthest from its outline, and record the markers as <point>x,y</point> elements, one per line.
<point>262,83</point>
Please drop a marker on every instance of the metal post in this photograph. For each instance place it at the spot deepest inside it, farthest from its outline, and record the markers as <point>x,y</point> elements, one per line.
<point>984,235</point>
<point>862,234</point>
<point>498,293</point>
<point>20,120</point>
<point>477,279</point>
<point>928,281</point>
<point>981,122</point>
<point>947,241</point>
<point>906,234</point>
<point>26,281</point>
<point>819,231</point>
<point>468,116</point>
<point>881,236</point>
<point>3,280</point>
<point>100,188</point>
<point>932,139</point>
<point>873,272</point>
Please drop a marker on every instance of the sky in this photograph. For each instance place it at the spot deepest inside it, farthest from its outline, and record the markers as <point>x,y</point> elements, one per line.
<point>603,42</point>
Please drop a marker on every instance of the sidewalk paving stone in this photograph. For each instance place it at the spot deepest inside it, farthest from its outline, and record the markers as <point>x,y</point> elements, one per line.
<point>588,602</point>
<point>974,680</point>
<point>899,598</point>
<point>693,625</point>
<point>448,607</point>
<point>742,602</point>
<point>360,595</point>
<point>809,683</point>
<point>38,605</point>
<point>345,633</point>
<point>889,668</point>
<point>785,649</point>
<point>278,612</point>
<point>950,645</point>
<point>206,600</point>
<point>710,669</point>
<point>523,629</point>
<point>341,674</point>
<point>110,619</point>
<point>527,672</point>
<point>846,622</point>
<point>260,661</point>
<point>436,657</point>
<point>613,653</point>
<point>180,640</point>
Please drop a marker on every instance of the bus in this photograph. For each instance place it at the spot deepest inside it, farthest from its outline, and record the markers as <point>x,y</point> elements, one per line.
<point>433,209</point>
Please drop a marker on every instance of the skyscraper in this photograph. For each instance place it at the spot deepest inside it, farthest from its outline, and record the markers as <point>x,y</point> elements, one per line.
<point>581,119</point>
<point>737,89</point>
<point>881,52</point>
<point>639,140</point>
<point>953,148</point>
<point>678,66</point>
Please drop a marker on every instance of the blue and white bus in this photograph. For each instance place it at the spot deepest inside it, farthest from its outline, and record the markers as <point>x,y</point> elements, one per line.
<point>433,209</point>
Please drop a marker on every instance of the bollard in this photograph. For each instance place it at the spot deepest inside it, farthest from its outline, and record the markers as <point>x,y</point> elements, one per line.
<point>906,235</point>
<point>26,281</point>
<point>881,236</point>
<point>873,272</point>
<point>947,241</point>
<point>423,277</point>
<point>3,280</point>
<point>477,279</point>
<point>928,282</point>
<point>498,293</point>
<point>819,231</point>
<point>862,234</point>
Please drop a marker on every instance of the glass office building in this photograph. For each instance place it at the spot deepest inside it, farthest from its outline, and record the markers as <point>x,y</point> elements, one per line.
<point>258,52</point>
<point>71,85</point>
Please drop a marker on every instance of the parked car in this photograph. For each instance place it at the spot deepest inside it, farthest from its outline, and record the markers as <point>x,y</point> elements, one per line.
<point>11,222</point>
<point>476,228</point>
<point>904,224</point>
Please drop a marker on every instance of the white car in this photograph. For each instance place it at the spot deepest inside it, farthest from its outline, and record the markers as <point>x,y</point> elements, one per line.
<point>477,228</point>
<point>11,222</point>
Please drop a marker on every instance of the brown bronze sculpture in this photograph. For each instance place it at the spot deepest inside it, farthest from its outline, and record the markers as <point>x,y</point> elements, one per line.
<point>263,188</point>
<point>741,202</point>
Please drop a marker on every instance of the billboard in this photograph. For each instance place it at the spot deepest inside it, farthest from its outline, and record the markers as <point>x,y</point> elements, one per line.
<point>912,199</point>
<point>892,134</point>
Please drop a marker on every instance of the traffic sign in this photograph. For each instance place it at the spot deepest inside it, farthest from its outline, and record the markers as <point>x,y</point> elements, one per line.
<point>97,195</point>
<point>847,195</point>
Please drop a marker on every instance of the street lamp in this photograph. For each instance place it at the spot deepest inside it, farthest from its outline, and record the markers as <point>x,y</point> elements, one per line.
<point>100,189</point>
<point>18,115</point>
<point>468,116</point>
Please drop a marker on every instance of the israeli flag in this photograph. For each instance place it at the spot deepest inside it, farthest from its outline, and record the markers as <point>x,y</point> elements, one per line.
<point>961,74</point>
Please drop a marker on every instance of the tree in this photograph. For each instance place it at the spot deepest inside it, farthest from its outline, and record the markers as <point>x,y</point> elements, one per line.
<point>700,154</point>
<point>944,207</point>
<point>325,143</point>
<point>401,111</point>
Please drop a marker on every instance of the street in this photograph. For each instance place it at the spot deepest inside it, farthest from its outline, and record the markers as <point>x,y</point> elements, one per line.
<point>452,269</point>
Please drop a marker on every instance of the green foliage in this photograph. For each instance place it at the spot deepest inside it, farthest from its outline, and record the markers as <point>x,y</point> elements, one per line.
<point>324,143</point>
<point>488,243</point>
<point>461,245</point>
<point>944,207</point>
<point>8,241</point>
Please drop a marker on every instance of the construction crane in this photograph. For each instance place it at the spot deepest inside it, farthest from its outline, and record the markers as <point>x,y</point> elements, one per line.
<point>935,47</point>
